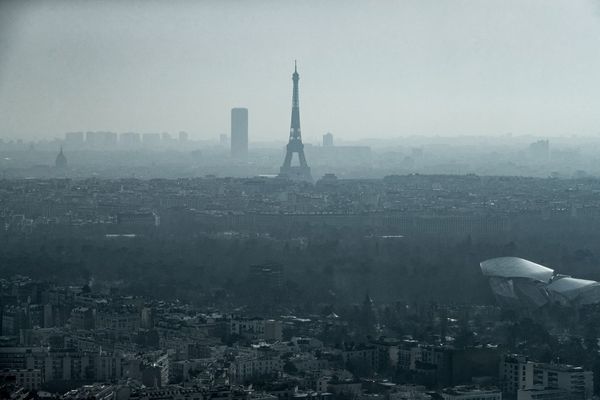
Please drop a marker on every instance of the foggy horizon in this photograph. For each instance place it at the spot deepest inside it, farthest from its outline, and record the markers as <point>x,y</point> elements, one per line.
<point>367,70</point>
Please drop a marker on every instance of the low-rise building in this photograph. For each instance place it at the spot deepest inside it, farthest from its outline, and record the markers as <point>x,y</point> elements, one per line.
<point>63,365</point>
<point>519,373</point>
<point>30,379</point>
<point>543,394</point>
<point>471,393</point>
<point>246,367</point>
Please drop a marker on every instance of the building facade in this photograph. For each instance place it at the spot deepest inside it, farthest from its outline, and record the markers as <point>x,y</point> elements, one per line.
<point>518,374</point>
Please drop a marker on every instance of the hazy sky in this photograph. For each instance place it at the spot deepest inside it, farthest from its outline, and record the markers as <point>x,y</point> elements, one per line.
<point>367,69</point>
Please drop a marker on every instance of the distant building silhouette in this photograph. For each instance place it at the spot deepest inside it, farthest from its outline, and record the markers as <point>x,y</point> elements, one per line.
<point>151,140</point>
<point>223,140</point>
<point>302,171</point>
<point>61,160</point>
<point>101,139</point>
<point>328,139</point>
<point>130,139</point>
<point>540,149</point>
<point>74,139</point>
<point>239,132</point>
<point>265,284</point>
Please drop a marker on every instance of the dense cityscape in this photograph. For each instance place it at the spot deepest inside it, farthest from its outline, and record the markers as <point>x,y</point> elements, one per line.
<point>271,287</point>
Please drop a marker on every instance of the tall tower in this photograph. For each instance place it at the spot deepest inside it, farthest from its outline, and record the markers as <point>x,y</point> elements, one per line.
<point>300,172</point>
<point>239,132</point>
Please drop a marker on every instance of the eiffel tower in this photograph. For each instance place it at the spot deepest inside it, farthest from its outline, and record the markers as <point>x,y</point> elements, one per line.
<point>299,172</point>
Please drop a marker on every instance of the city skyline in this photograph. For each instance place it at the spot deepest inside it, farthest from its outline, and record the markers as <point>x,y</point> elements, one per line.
<point>415,68</point>
<point>426,230</point>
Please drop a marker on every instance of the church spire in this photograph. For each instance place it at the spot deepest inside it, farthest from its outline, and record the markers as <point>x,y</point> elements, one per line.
<point>61,160</point>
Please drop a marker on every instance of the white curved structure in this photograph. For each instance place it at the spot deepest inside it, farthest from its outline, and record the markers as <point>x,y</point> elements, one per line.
<point>514,267</point>
<point>518,282</point>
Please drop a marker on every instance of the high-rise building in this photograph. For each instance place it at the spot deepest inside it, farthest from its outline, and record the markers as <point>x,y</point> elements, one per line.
<point>94,139</point>
<point>302,171</point>
<point>328,139</point>
<point>101,139</point>
<point>239,132</point>
<point>183,137</point>
<point>130,139</point>
<point>74,139</point>
<point>540,149</point>
<point>166,137</point>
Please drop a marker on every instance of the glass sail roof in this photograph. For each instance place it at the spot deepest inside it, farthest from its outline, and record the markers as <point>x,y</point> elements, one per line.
<point>514,267</point>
